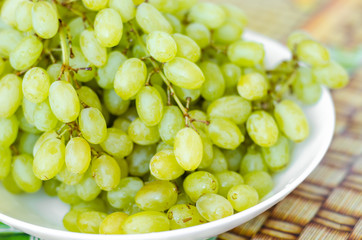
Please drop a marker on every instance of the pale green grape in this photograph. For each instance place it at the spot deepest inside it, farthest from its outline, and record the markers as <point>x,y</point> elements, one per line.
<point>184,73</point>
<point>141,134</point>
<point>163,146</point>
<point>242,197</point>
<point>199,115</point>
<point>214,85</point>
<point>229,32</point>
<point>210,14</point>
<point>70,219</point>
<point>161,46</point>
<point>219,163</point>
<point>91,48</point>
<point>28,111</point>
<point>89,222</point>
<point>123,196</point>
<point>95,5</point>
<point>313,53</point>
<point>89,98</point>
<point>126,8</point>
<point>150,19</point>
<point>36,83</point>
<point>295,38</point>
<point>69,178</point>
<point>165,5</point>
<point>138,51</point>
<point>183,216</point>
<point>199,183</point>
<point>262,128</point>
<point>5,162</point>
<point>107,172</point>
<point>51,187</point>
<point>162,93</point>
<point>164,166</point>
<point>146,222</point>
<point>252,161</point>
<point>26,142</point>
<point>172,122</point>
<point>175,22</point>
<point>277,157</point>
<point>45,19</point>
<point>208,152</point>
<point>122,123</point>
<point>114,104</point>
<point>332,75</point>
<point>149,106</point>
<point>23,16</point>
<point>77,155</point>
<point>113,223</point>
<point>106,74</point>
<point>8,11</point>
<point>233,157</point>
<point>54,72</point>
<point>228,179</point>
<point>87,188</point>
<point>9,39</point>
<point>224,133</point>
<point>261,181</point>
<point>24,124</point>
<point>76,27</point>
<point>108,27</point>
<point>156,79</point>
<point>187,47</point>
<point>8,130</point>
<point>10,185</point>
<point>305,86</point>
<point>93,125</point>
<point>235,13</point>
<point>2,66</point>
<point>199,33</point>
<point>79,61</point>
<point>213,207</point>
<point>232,74</point>
<point>183,94</point>
<point>42,139</point>
<point>117,143</point>
<point>44,119</point>
<point>246,54</point>
<point>253,86</point>
<point>10,95</point>
<point>139,160</point>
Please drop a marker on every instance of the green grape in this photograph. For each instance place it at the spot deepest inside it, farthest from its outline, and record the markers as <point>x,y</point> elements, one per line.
<point>64,101</point>
<point>54,72</point>
<point>9,39</point>
<point>163,146</point>
<point>149,106</point>
<point>162,93</point>
<point>69,178</point>
<point>10,185</point>
<point>5,162</point>
<point>183,216</point>
<point>233,157</point>
<point>199,33</point>
<point>141,134</point>
<point>42,139</point>
<point>113,223</point>
<point>231,73</point>
<point>139,160</point>
<point>80,62</point>
<point>130,78</point>
<point>156,196</point>
<point>93,125</point>
<point>150,19</point>
<point>183,94</point>
<point>26,142</point>
<point>172,122</point>
<point>10,95</point>
<point>199,183</point>
<point>277,157</point>
<point>114,104</point>
<point>210,14</point>
<point>51,187</point>
<point>213,207</point>
<point>156,79</point>
<point>123,196</point>
<point>89,98</point>
<point>242,197</point>
<point>253,86</point>
<point>106,74</point>
<point>2,66</point>
<point>225,133</point>
<point>108,27</point>
<point>235,13</point>
<point>214,85</point>
<point>161,46</point>
<point>70,219</point>
<point>91,48</point>
<point>68,194</point>
<point>187,47</point>
<point>125,8</point>
<point>132,209</point>
<point>227,180</point>
<point>87,188</point>
<point>95,5</point>
<point>45,19</point>
<point>36,83</point>
<point>28,111</point>
<point>164,166</point>
<point>332,75</point>
<point>8,130</point>
<point>44,119</point>
<point>23,16</point>
<point>291,120</point>
<point>49,158</point>
<point>234,108</point>
<point>262,128</point>
<point>89,222</point>
<point>77,155</point>
<point>305,87</point>
<point>252,161</point>
<point>219,163</point>
<point>261,181</point>
<point>246,54</point>
<point>122,123</point>
<point>200,116</point>
<point>229,32</point>
<point>146,222</point>
<point>107,172</point>
<point>138,51</point>
<point>24,124</point>
<point>165,5</point>
<point>123,165</point>
<point>295,38</point>
<point>184,73</point>
<point>117,143</point>
<point>208,152</point>
<point>188,149</point>
<point>76,27</point>
<point>175,22</point>
<point>97,204</point>
<point>313,53</point>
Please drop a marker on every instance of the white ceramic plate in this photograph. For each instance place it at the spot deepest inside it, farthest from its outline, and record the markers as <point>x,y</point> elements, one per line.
<point>41,216</point>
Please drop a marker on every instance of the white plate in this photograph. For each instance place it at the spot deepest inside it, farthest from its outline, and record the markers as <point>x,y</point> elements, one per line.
<point>41,216</point>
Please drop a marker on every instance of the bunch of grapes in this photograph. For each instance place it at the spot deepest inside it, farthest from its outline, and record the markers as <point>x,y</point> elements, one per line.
<point>148,116</point>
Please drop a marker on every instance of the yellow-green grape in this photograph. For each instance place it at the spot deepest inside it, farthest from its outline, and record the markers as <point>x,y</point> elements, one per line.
<point>97,204</point>
<point>91,48</point>
<point>161,46</point>
<point>200,116</point>
<point>49,158</point>
<point>261,181</point>
<point>123,196</point>
<point>70,219</point>
<point>150,19</point>
<point>8,11</point>
<point>89,98</point>
<point>10,95</point>
<point>8,130</point>
<point>69,178</point>
<point>42,139</point>
<point>93,125</point>
<point>253,86</point>
<point>26,142</point>
<point>106,74</point>
<point>44,119</point>
<point>183,216</point>
<point>165,5</point>
<point>262,128</point>
<point>23,16</point>
<point>213,207</point>
<point>332,75</point>
<point>10,185</point>
<point>51,187</point>
<point>305,87</point>
<point>126,8</point>
<point>172,122</point>
<point>77,155</point>
<point>208,152</point>
<point>156,79</point>
<point>24,124</point>
<point>28,110</point>
<point>199,33</point>
<point>138,51</point>
<point>175,22</point>
<point>113,223</point>
<point>139,160</point>
<point>187,47</point>
<point>246,54</point>
<point>5,162</point>
<point>95,5</point>
<point>219,163</point>
<point>54,71</point>
<point>130,78</point>
<point>233,157</point>
<point>234,108</point>
<point>232,74</point>
<point>149,106</point>
<point>162,93</point>
<point>242,197</point>
<point>80,62</point>
<point>2,66</point>
<point>89,222</point>
<point>76,27</point>
<point>114,104</point>
<point>122,123</point>
<point>229,32</point>
<point>117,143</point>
<point>210,14</point>
<point>235,13</point>
<point>225,133</point>
<point>227,180</point>
<point>199,183</point>
<point>36,83</point>
<point>64,101</point>
<point>183,94</point>
<point>291,120</point>
<point>188,149</point>
<point>214,85</point>
<point>164,166</point>
<point>277,157</point>
<point>108,27</point>
<point>87,188</point>
<point>163,146</point>
<point>295,38</point>
<point>141,134</point>
<point>184,73</point>
<point>146,222</point>
<point>107,172</point>
<point>9,39</point>
<point>156,196</point>
<point>313,53</point>
<point>45,19</point>
<point>133,209</point>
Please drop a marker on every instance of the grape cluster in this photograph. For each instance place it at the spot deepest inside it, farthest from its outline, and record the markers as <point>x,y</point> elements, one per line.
<point>148,116</point>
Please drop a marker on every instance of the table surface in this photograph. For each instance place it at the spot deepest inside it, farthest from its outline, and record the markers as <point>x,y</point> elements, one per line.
<point>328,204</point>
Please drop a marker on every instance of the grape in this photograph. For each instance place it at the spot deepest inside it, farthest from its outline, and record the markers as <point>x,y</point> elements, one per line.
<point>89,222</point>
<point>227,179</point>
<point>97,205</point>
<point>224,133</point>
<point>23,16</point>
<point>229,32</point>
<point>93,125</point>
<point>313,53</point>
<point>295,38</point>
<point>332,75</point>
<point>184,215</point>
<point>8,130</point>
<point>161,46</point>
<point>208,152</point>
<point>261,181</point>
<point>26,142</point>
<point>125,8</point>
<point>150,19</point>
<point>171,122</point>
<point>42,139</point>
<point>253,86</point>
<point>45,19</point>
<point>184,94</point>
<point>26,53</point>
<point>187,47</point>
<point>5,162</point>
<point>149,106</point>
<point>122,123</point>
<point>213,207</point>
<point>106,172</point>
<point>108,27</point>
<point>10,185</point>
<point>214,85</point>
<point>277,157</point>
<point>95,5</point>
<point>51,187</point>
<point>246,54</point>
<point>146,222</point>
<point>113,223</point>
<point>114,104</point>
<point>305,86</point>
<point>70,219</point>
<point>219,163</point>
<point>9,39</point>
<point>69,178</point>
<point>68,194</point>
<point>235,13</point>
<point>175,22</point>
<point>163,146</point>
<point>8,11</point>
<point>233,157</point>
<point>106,74</point>
<point>252,161</point>
<point>91,48</point>
<point>242,197</point>
<point>199,115</point>
<point>44,119</point>
<point>209,14</point>
<point>87,188</point>
<point>24,124</point>
<point>123,196</point>
<point>117,143</point>
<point>89,98</point>
<point>199,183</point>
<point>78,62</point>
<point>262,128</point>
<point>36,83</point>
<point>164,166</point>
<point>141,134</point>
<point>10,95</point>
<point>77,155</point>
<point>199,33</point>
<point>165,5</point>
<point>231,73</point>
